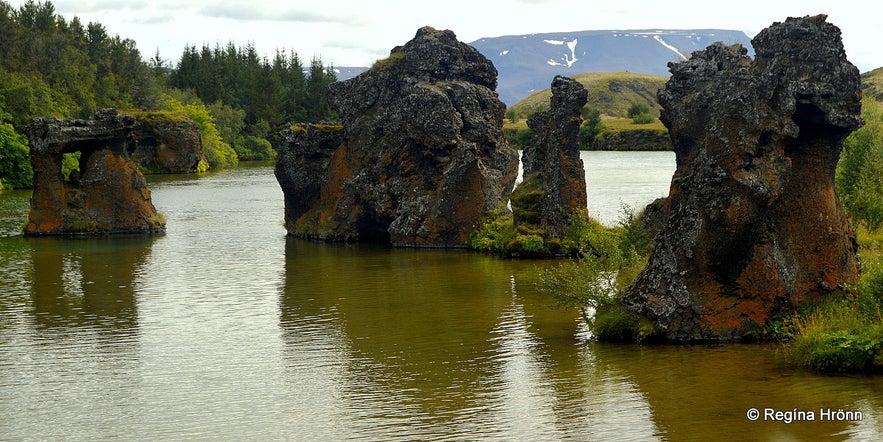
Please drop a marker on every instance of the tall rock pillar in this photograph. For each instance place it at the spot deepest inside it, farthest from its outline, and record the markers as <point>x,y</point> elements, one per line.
<point>753,223</point>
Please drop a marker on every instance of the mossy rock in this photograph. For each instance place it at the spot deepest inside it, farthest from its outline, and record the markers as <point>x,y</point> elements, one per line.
<point>612,323</point>
<point>527,200</point>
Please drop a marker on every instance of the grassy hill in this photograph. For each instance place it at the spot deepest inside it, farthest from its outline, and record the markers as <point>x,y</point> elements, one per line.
<point>872,84</point>
<point>612,93</point>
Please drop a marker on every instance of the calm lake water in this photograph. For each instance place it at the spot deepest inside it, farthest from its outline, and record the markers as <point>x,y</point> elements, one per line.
<point>224,329</point>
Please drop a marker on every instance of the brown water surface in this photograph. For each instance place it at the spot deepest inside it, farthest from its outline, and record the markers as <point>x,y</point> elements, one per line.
<point>224,329</point>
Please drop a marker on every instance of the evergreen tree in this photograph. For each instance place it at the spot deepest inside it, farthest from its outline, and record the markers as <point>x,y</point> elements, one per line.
<point>317,90</point>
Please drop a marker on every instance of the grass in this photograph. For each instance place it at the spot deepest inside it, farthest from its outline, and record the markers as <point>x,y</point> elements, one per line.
<point>514,130</point>
<point>872,83</point>
<point>846,335</point>
<point>625,124</point>
<point>387,64</point>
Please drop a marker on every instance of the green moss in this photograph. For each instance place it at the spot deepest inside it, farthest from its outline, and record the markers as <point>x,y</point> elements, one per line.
<point>388,64</point>
<point>157,221</point>
<point>154,117</point>
<point>329,127</point>
<point>202,167</point>
<point>147,170</point>
<point>527,199</point>
<point>613,323</point>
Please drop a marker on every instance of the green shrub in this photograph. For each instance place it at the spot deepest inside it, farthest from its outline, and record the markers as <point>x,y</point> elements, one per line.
<point>859,177</point>
<point>845,335</point>
<point>218,153</point>
<point>638,109</point>
<point>254,148</point>
<point>841,351</point>
<point>527,245</point>
<point>495,231</point>
<point>590,127</point>
<point>870,290</point>
<point>520,137</point>
<point>610,260</point>
<point>69,163</point>
<point>15,161</point>
<point>643,119</point>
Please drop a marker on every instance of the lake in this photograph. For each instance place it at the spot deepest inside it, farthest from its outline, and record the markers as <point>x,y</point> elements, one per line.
<point>225,329</point>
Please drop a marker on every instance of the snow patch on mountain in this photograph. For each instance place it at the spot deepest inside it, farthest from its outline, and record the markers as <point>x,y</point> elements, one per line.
<point>668,46</point>
<point>569,59</point>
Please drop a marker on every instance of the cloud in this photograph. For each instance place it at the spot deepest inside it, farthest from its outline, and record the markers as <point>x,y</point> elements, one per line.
<point>249,12</point>
<point>80,7</point>
<point>154,19</point>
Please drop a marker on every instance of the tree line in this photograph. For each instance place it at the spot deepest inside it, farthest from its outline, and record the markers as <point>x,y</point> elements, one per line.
<point>51,66</point>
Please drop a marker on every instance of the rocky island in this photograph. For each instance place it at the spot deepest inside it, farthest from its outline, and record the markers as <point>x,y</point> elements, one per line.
<point>107,195</point>
<point>554,185</point>
<point>417,159</point>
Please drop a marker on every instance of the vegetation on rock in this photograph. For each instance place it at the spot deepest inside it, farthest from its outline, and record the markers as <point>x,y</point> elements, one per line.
<point>608,262</point>
<point>51,66</point>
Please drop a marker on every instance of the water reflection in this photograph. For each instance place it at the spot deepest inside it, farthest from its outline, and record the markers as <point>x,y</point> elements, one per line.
<point>405,354</point>
<point>701,391</point>
<point>70,337</point>
<point>423,344</point>
<point>225,329</point>
<point>87,282</point>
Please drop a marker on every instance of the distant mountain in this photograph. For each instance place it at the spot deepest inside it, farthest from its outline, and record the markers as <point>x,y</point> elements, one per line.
<point>528,63</point>
<point>345,73</point>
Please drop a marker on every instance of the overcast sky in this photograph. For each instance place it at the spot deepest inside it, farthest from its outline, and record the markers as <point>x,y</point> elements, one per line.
<point>355,33</point>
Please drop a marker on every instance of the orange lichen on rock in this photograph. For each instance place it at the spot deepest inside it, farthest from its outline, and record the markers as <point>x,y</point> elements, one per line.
<point>752,225</point>
<point>107,195</point>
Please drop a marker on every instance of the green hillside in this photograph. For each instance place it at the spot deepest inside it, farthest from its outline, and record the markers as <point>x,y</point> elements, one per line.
<point>612,93</point>
<point>872,84</point>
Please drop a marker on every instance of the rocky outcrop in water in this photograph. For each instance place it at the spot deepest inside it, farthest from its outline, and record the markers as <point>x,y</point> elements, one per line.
<point>107,195</point>
<point>420,156</point>
<point>554,184</point>
<point>752,224</point>
<point>167,143</point>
